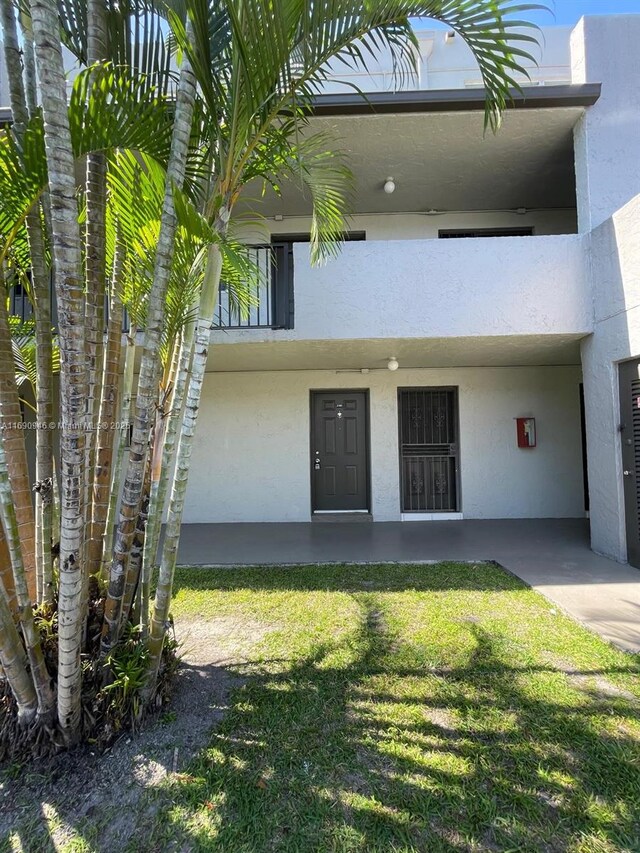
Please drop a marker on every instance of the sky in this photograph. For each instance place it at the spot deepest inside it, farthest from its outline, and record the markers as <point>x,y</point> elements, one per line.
<point>570,11</point>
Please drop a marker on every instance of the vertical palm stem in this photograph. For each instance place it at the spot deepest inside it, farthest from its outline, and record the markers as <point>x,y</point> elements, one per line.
<point>67,258</point>
<point>148,377</point>
<point>107,428</point>
<point>119,448</point>
<point>18,471</point>
<point>161,470</point>
<point>159,620</point>
<point>39,674</point>
<point>14,666</point>
<point>95,262</point>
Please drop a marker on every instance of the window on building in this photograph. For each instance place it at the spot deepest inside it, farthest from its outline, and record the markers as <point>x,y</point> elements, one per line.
<point>486,232</point>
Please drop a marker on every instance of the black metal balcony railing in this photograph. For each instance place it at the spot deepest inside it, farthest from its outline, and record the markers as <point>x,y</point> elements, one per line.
<point>270,295</point>
<point>270,303</point>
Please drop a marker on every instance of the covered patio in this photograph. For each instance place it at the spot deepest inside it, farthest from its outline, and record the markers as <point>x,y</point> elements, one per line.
<point>551,555</point>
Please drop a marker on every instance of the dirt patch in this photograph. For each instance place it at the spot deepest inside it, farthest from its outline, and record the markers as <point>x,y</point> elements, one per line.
<point>99,796</point>
<point>442,718</point>
<point>592,682</point>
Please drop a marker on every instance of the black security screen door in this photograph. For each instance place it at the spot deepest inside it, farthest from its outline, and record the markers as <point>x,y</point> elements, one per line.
<point>339,451</point>
<point>429,449</point>
<point>630,435</point>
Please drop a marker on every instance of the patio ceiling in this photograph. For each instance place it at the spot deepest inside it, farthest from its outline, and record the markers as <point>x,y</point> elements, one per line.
<point>442,161</point>
<point>445,161</point>
<point>267,351</point>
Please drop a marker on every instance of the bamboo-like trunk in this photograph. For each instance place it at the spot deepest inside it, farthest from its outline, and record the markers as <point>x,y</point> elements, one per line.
<point>14,665</point>
<point>134,568</point>
<point>41,289</point>
<point>95,263</point>
<point>39,674</point>
<point>67,262</point>
<point>7,586</point>
<point>119,448</point>
<point>12,414</point>
<point>159,620</point>
<point>146,396</point>
<point>13,436</point>
<point>29,60</point>
<point>161,470</point>
<point>107,430</point>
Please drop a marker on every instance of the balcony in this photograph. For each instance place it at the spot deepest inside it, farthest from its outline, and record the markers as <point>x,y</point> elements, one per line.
<point>270,295</point>
<point>411,289</point>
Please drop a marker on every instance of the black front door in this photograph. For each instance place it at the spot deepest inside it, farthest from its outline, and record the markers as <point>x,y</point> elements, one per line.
<point>339,451</point>
<point>630,434</point>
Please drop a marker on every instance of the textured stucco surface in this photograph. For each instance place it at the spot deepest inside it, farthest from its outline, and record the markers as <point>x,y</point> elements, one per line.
<point>439,289</point>
<point>604,49</point>
<point>251,460</point>
<point>615,263</point>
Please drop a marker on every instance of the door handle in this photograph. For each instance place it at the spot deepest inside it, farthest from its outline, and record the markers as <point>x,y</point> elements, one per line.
<point>628,473</point>
<point>316,465</point>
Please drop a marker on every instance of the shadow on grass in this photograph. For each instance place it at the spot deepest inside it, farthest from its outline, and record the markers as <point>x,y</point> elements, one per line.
<point>373,753</point>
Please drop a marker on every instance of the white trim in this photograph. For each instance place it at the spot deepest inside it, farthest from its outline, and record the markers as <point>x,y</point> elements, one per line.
<point>431,516</point>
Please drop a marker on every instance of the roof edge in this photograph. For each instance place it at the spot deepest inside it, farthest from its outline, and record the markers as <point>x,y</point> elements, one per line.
<point>453,100</point>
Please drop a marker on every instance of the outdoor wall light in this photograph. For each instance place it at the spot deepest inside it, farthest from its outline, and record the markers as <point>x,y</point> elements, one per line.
<point>389,186</point>
<point>392,363</point>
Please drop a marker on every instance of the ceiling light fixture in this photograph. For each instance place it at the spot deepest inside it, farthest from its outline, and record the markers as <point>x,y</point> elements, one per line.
<point>392,363</point>
<point>389,186</point>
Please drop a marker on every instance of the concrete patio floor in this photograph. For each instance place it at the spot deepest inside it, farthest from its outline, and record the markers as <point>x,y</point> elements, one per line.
<point>551,555</point>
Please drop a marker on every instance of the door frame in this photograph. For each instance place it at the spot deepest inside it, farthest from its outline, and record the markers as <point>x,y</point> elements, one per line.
<point>633,557</point>
<point>367,455</point>
<point>456,417</point>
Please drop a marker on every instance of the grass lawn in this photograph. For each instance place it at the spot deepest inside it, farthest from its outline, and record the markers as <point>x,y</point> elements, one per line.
<point>407,708</point>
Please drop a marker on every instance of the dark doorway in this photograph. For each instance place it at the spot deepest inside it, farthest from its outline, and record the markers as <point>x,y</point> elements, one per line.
<point>429,449</point>
<point>339,454</point>
<point>630,434</point>
<point>583,434</point>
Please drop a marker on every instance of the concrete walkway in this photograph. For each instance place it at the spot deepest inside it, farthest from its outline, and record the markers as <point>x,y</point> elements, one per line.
<point>552,555</point>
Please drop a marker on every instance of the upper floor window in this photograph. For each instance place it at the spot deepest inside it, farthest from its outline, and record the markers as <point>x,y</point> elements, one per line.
<point>486,232</point>
<point>348,236</point>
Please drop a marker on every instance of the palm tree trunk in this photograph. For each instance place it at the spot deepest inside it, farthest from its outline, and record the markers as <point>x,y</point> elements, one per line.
<point>14,666</point>
<point>107,430</point>
<point>134,569</point>
<point>67,257</point>
<point>44,413</point>
<point>161,468</point>
<point>29,61</point>
<point>13,63</point>
<point>119,448</point>
<point>12,413</point>
<point>39,674</point>
<point>7,586</point>
<point>149,367</point>
<point>13,437</point>
<point>95,262</point>
<point>159,620</point>
<point>41,289</point>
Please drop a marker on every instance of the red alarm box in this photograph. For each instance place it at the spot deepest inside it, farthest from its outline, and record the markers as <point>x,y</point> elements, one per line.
<point>526,428</point>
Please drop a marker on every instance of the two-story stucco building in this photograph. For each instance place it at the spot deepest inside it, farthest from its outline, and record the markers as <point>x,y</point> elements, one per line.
<point>499,280</point>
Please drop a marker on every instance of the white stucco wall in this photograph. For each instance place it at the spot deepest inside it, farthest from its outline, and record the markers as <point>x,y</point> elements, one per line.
<point>615,263</point>
<point>447,63</point>
<point>607,138</point>
<point>251,458</point>
<point>444,288</point>
<point>439,288</point>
